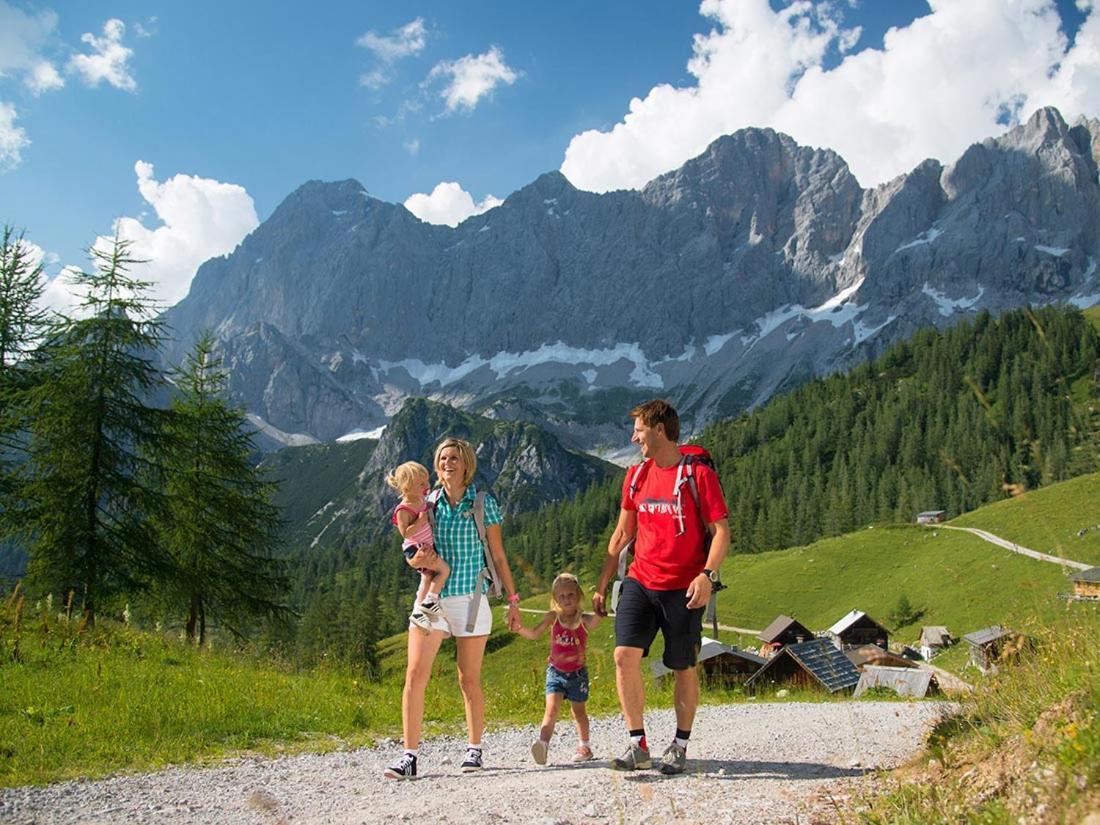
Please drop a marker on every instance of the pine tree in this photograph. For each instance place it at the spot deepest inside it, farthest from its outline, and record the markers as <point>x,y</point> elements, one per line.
<point>92,433</point>
<point>218,523</point>
<point>22,325</point>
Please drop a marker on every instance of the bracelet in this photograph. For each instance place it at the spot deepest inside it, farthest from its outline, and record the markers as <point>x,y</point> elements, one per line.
<point>514,599</point>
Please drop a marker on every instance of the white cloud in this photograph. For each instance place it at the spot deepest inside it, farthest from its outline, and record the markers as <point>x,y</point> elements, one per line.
<point>946,80</point>
<point>22,37</point>
<point>471,78</point>
<point>13,139</point>
<point>44,77</point>
<point>403,42</point>
<point>201,218</point>
<point>109,60</point>
<point>448,204</point>
<point>412,146</point>
<point>375,78</point>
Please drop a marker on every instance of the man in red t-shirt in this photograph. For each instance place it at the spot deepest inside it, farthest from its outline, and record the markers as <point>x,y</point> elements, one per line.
<point>678,547</point>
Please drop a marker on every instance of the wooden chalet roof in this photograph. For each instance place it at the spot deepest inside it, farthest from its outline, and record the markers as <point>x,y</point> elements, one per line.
<point>903,681</point>
<point>850,619</point>
<point>873,654</point>
<point>986,635</point>
<point>1090,575</point>
<point>780,626</point>
<point>935,635</point>
<point>818,657</point>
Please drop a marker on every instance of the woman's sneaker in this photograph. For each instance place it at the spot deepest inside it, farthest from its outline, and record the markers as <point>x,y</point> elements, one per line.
<point>403,768</point>
<point>636,758</point>
<point>472,762</point>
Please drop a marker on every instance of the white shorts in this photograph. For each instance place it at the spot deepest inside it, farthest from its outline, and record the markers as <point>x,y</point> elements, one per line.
<point>456,611</point>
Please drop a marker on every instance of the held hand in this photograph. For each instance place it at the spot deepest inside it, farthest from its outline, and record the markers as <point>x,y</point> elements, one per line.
<point>599,605</point>
<point>698,592</point>
<point>513,620</point>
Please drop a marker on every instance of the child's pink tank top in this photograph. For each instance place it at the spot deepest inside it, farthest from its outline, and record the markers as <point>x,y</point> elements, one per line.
<point>567,645</point>
<point>422,536</point>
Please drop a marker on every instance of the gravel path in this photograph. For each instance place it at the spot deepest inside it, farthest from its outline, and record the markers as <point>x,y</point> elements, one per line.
<point>748,763</point>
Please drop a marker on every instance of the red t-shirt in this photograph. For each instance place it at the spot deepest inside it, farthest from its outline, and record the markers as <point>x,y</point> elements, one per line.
<point>664,560</point>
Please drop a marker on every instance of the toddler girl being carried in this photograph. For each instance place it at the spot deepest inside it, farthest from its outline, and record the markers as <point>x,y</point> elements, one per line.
<point>411,518</point>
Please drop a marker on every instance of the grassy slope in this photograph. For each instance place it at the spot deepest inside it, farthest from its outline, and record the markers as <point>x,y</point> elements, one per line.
<point>120,700</point>
<point>958,579</point>
<point>1048,519</point>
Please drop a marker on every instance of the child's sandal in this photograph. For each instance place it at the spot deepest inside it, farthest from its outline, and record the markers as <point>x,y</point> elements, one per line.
<point>583,754</point>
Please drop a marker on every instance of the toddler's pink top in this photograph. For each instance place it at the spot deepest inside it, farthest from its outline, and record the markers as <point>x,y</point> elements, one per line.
<point>567,645</point>
<point>421,537</point>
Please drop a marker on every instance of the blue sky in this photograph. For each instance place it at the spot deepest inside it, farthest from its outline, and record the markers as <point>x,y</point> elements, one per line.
<point>229,107</point>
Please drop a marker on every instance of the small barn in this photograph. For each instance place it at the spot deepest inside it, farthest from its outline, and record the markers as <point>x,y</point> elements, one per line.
<point>992,644</point>
<point>782,632</point>
<point>812,664</point>
<point>1086,584</point>
<point>934,639</point>
<point>904,681</point>
<point>719,662</point>
<point>932,517</point>
<point>873,655</point>
<point>856,629</point>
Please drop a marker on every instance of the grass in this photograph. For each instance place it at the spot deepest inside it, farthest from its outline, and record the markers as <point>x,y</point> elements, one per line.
<point>1062,519</point>
<point>1024,746</point>
<point>116,699</point>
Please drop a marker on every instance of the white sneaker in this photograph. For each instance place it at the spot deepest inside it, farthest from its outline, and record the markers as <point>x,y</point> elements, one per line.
<point>422,622</point>
<point>539,750</point>
<point>432,608</point>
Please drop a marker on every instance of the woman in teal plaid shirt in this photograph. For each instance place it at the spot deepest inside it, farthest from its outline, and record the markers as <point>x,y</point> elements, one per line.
<point>457,541</point>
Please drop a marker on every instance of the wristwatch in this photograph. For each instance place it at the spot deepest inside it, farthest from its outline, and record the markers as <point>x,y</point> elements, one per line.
<point>711,574</point>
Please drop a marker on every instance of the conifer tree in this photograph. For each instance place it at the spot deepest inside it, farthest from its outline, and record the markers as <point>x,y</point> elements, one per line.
<point>22,325</point>
<point>218,522</point>
<point>92,432</point>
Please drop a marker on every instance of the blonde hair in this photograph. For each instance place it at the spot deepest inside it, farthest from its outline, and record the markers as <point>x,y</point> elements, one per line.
<point>469,459</point>
<point>404,477</point>
<point>565,579</point>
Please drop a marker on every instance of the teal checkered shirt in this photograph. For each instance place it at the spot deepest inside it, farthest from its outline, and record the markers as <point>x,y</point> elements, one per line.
<point>456,540</point>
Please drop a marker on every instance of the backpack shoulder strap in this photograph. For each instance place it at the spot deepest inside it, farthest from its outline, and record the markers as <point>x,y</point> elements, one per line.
<point>495,587</point>
<point>433,501</point>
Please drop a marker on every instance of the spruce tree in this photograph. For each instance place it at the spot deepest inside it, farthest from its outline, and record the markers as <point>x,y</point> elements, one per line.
<point>22,325</point>
<point>218,523</point>
<point>92,434</point>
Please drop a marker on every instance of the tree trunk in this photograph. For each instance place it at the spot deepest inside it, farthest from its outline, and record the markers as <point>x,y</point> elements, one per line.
<point>192,617</point>
<point>202,623</point>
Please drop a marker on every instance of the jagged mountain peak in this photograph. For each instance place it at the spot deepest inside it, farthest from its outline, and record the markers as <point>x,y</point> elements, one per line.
<point>755,265</point>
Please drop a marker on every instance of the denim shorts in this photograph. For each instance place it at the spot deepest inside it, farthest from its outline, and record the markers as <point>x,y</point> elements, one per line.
<point>574,684</point>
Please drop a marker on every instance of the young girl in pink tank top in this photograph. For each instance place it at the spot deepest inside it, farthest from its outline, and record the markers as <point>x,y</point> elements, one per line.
<point>566,674</point>
<point>410,517</point>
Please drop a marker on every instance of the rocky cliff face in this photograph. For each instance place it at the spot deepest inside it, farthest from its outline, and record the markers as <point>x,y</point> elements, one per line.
<point>754,267</point>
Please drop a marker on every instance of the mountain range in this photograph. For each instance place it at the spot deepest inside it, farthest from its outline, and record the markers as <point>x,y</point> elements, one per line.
<point>752,268</point>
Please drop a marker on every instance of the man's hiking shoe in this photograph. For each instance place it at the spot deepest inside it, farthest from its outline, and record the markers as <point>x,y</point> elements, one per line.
<point>673,760</point>
<point>421,620</point>
<point>403,768</point>
<point>636,758</point>
<point>472,762</point>
<point>538,751</point>
<point>583,754</point>
<point>432,609</point>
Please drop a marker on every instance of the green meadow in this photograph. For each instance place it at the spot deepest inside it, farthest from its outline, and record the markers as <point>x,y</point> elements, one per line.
<point>90,703</point>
